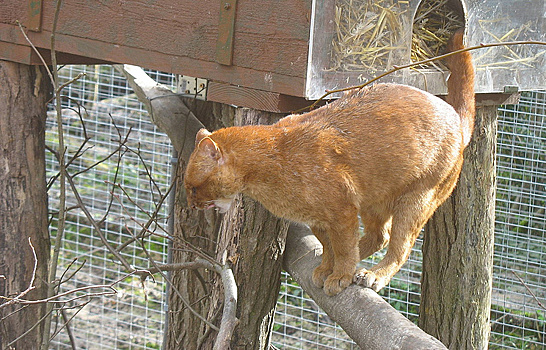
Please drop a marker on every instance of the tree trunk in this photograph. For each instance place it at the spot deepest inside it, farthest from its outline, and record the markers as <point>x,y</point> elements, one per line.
<point>458,248</point>
<point>250,239</point>
<point>23,200</point>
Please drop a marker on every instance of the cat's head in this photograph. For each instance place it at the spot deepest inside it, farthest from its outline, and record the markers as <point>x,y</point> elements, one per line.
<point>210,180</point>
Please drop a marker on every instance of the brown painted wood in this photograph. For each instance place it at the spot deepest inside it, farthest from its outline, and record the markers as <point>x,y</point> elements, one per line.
<point>252,98</point>
<point>270,38</point>
<point>26,55</point>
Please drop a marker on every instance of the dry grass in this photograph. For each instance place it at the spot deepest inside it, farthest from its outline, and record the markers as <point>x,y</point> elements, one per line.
<point>433,25</point>
<point>368,33</point>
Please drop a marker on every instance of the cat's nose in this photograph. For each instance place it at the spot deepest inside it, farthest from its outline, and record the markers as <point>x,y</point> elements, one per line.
<point>191,204</point>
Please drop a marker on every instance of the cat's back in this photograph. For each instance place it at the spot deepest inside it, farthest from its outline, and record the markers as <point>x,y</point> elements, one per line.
<point>386,131</point>
<point>378,105</point>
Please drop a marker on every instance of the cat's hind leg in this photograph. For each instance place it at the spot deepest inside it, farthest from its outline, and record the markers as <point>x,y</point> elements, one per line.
<point>376,233</point>
<point>409,216</point>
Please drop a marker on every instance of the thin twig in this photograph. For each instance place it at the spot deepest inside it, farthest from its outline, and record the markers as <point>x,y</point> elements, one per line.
<point>96,226</point>
<point>32,278</point>
<point>36,51</point>
<point>202,262</point>
<point>62,280</point>
<point>152,217</point>
<point>45,317</point>
<point>528,289</point>
<point>148,172</point>
<point>54,299</point>
<point>62,190</point>
<point>66,325</point>
<point>190,265</point>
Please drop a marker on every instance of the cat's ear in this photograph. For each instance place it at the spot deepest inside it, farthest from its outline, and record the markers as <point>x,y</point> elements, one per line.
<point>201,134</point>
<point>211,149</point>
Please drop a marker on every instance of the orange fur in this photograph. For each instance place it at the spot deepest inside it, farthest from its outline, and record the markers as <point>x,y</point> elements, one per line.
<point>389,153</point>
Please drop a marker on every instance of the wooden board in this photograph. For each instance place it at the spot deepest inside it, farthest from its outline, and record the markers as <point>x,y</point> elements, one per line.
<point>257,99</point>
<point>270,42</point>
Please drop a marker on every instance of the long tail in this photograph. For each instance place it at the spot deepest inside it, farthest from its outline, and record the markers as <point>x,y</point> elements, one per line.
<point>460,85</point>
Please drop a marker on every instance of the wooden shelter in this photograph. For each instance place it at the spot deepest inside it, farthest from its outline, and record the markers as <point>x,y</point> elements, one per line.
<point>268,55</point>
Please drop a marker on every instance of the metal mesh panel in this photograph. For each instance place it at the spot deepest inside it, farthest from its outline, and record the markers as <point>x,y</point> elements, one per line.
<point>518,321</point>
<point>134,318</point>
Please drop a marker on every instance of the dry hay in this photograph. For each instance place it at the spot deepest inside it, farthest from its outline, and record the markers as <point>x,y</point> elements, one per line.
<point>433,25</point>
<point>368,33</point>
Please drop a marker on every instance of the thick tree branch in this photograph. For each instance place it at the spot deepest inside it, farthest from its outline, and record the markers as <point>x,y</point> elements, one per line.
<point>368,319</point>
<point>166,109</point>
<point>172,116</point>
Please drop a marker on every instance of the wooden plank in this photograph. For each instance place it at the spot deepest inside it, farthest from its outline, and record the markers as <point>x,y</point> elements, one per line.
<point>11,11</point>
<point>100,51</point>
<point>16,53</point>
<point>266,30</point>
<point>25,54</point>
<point>226,31</point>
<point>252,98</point>
<point>180,36</point>
<point>497,99</point>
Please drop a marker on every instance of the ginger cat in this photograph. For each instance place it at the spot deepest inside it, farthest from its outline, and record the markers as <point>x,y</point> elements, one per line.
<point>391,153</point>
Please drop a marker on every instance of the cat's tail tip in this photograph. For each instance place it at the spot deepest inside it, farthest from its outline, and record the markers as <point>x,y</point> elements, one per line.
<point>460,85</point>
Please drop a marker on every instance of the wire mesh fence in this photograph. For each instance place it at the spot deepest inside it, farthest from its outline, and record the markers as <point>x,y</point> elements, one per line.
<point>119,149</point>
<point>519,291</point>
<point>122,188</point>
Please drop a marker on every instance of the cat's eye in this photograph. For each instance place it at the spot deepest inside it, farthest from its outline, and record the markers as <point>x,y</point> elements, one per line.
<point>193,191</point>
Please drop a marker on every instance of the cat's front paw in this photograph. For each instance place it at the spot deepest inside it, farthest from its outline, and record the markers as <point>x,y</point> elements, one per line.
<point>320,273</point>
<point>335,283</point>
<point>371,280</point>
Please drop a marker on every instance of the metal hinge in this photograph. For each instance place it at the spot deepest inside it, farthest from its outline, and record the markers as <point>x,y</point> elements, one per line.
<point>226,32</point>
<point>192,87</point>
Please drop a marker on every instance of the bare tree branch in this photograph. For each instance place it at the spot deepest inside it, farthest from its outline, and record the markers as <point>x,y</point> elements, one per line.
<point>166,109</point>
<point>31,286</point>
<point>529,290</point>
<point>178,122</point>
<point>229,317</point>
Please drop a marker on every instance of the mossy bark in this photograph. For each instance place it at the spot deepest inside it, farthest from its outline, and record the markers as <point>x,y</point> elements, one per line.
<point>23,200</point>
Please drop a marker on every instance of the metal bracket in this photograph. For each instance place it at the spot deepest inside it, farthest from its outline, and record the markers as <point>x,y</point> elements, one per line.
<point>226,32</point>
<point>34,21</point>
<point>511,89</point>
<point>193,87</point>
